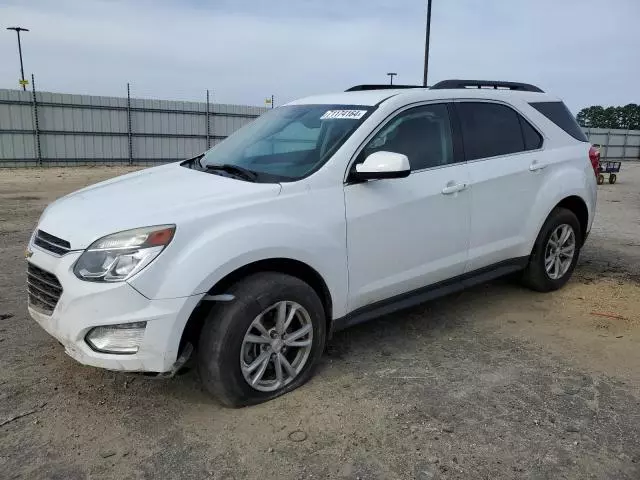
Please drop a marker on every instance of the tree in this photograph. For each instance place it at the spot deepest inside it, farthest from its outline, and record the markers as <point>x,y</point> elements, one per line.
<point>627,117</point>
<point>632,116</point>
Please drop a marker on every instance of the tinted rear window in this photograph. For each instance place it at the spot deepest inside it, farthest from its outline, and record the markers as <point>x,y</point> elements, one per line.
<point>559,114</point>
<point>532,139</point>
<point>489,130</point>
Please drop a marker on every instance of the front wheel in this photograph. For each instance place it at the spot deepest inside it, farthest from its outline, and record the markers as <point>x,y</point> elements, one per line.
<point>555,252</point>
<point>612,178</point>
<point>264,343</point>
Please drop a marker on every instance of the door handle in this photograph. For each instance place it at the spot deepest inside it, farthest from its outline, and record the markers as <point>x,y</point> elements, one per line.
<point>535,166</point>
<point>455,188</point>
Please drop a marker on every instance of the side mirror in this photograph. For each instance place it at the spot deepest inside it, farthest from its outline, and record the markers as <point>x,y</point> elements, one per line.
<point>382,164</point>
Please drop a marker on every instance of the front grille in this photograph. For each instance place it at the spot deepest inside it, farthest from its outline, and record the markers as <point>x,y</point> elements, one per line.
<point>52,244</point>
<point>44,289</point>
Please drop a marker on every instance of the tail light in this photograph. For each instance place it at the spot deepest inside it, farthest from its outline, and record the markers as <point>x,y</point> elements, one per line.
<point>594,156</point>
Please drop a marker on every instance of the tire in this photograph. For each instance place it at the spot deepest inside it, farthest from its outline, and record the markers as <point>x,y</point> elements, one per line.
<point>225,353</point>
<point>600,179</point>
<point>536,276</point>
<point>612,178</point>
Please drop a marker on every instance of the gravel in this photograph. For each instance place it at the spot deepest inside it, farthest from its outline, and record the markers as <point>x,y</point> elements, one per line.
<point>514,371</point>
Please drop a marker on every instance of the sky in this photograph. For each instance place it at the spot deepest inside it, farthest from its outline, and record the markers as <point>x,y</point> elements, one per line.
<point>585,51</point>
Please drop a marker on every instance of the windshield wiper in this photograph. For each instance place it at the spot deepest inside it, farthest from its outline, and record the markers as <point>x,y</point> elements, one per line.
<point>242,172</point>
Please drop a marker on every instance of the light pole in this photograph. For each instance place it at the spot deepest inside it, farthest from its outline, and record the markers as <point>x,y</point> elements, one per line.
<point>18,30</point>
<point>391,75</point>
<point>426,44</point>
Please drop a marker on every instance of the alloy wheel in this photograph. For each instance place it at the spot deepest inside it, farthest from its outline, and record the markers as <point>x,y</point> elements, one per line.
<point>559,252</point>
<point>276,346</point>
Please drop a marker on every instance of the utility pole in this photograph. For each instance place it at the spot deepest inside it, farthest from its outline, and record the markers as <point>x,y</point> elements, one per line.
<point>426,45</point>
<point>391,75</point>
<point>23,82</point>
<point>272,99</point>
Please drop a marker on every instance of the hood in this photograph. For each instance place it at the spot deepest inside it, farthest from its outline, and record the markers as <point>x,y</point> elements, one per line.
<point>155,196</point>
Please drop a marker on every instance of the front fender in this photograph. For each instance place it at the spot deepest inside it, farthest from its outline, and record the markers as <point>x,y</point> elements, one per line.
<point>205,258</point>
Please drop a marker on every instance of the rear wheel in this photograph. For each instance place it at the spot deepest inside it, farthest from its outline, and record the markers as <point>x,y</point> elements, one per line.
<point>555,252</point>
<point>264,343</point>
<point>600,179</point>
<point>612,178</point>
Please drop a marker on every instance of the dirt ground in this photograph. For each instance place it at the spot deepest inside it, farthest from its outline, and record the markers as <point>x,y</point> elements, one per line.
<point>493,383</point>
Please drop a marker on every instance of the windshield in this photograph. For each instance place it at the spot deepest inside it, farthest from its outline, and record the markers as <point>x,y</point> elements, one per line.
<point>288,143</point>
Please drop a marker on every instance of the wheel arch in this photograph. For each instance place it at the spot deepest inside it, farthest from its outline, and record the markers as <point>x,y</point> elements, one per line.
<point>295,268</point>
<point>579,208</point>
<point>574,203</point>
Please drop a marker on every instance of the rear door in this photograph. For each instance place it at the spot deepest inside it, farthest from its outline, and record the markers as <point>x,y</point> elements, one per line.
<point>506,170</point>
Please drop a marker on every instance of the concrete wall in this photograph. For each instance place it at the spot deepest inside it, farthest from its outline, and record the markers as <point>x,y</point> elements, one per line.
<point>82,129</point>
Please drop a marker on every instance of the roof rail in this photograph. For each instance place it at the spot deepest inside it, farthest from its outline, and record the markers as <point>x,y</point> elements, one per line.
<point>496,84</point>
<point>357,88</point>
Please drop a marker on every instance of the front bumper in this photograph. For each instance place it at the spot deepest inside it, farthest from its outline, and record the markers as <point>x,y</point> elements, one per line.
<point>84,305</point>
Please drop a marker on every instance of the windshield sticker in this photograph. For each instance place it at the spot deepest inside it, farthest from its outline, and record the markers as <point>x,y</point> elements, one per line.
<point>345,114</point>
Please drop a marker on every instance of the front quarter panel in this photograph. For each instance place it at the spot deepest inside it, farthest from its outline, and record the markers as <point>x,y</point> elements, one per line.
<point>305,225</point>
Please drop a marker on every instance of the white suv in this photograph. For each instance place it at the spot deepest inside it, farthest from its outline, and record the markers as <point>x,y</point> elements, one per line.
<point>320,214</point>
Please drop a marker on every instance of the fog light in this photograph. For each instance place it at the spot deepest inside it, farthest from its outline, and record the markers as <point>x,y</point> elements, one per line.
<point>120,339</point>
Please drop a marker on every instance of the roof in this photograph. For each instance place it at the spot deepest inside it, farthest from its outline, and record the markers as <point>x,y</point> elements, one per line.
<point>363,97</point>
<point>374,97</point>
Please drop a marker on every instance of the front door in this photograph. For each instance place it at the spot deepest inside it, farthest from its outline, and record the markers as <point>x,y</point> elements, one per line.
<point>406,233</point>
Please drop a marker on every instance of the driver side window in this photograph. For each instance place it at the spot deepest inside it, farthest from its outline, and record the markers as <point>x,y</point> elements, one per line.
<point>423,134</point>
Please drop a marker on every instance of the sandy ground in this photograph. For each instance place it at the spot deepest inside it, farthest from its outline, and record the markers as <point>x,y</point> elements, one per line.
<point>496,382</point>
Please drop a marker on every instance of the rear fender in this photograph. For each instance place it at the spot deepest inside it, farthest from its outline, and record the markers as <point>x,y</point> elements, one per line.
<point>560,185</point>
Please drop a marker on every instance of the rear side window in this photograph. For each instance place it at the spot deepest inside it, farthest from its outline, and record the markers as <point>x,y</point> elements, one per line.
<point>489,129</point>
<point>532,139</point>
<point>559,114</point>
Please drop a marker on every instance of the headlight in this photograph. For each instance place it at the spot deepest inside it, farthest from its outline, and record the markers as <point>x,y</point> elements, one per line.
<point>116,257</point>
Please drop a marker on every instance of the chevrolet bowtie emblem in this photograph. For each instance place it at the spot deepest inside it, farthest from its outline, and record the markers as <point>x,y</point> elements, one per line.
<point>28,253</point>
